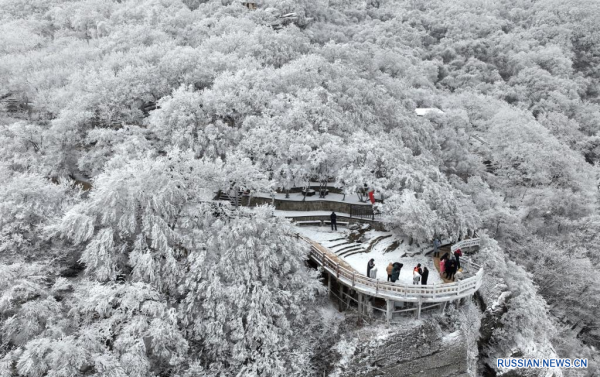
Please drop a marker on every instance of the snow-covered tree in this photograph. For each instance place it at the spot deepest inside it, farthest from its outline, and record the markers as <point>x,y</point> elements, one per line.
<point>130,221</point>
<point>90,328</point>
<point>248,296</point>
<point>411,215</point>
<point>159,104</point>
<point>29,203</point>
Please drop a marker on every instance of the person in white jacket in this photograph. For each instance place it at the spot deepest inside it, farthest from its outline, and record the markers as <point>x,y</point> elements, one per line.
<point>416,277</point>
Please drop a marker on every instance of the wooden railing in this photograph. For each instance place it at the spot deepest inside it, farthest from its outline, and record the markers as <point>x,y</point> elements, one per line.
<point>397,291</point>
<point>363,212</point>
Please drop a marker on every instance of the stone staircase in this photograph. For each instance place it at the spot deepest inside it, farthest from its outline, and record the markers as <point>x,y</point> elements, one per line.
<point>348,248</point>
<point>355,248</point>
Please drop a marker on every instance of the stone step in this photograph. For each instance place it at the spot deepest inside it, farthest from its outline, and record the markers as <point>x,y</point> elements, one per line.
<point>340,244</point>
<point>351,246</point>
<point>313,222</point>
<point>352,251</point>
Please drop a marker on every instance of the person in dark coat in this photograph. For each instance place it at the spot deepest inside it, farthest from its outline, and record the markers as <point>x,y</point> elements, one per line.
<point>396,271</point>
<point>451,270</point>
<point>445,256</point>
<point>333,218</point>
<point>370,265</point>
<point>447,268</point>
<point>424,276</point>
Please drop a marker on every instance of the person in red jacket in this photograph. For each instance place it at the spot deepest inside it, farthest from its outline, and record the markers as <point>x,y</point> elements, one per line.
<point>372,196</point>
<point>418,269</point>
<point>417,274</point>
<point>457,255</point>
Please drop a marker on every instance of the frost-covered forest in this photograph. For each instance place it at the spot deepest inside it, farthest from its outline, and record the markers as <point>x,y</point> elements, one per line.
<point>121,118</point>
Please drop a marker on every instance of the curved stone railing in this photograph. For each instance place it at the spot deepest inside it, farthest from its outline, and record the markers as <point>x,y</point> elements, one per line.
<point>394,291</point>
<point>464,244</point>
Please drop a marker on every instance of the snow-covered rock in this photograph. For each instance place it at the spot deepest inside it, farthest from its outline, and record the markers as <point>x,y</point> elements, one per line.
<point>412,348</point>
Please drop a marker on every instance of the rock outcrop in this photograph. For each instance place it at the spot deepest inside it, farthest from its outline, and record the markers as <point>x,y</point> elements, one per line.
<point>412,348</point>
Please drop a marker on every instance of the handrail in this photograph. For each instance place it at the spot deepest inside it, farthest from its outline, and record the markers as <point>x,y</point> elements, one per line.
<point>465,243</point>
<point>404,292</point>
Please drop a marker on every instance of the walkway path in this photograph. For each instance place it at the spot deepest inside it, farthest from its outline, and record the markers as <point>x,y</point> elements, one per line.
<point>394,292</point>
<point>436,262</point>
<point>464,244</point>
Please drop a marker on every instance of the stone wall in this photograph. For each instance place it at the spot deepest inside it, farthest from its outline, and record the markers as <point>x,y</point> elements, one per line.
<point>315,205</point>
<point>375,225</point>
<point>312,205</point>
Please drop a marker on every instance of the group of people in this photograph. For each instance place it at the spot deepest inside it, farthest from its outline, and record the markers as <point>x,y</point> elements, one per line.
<point>393,272</point>
<point>450,264</point>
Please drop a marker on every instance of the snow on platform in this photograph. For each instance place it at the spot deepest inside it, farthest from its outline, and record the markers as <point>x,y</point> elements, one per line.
<point>338,242</point>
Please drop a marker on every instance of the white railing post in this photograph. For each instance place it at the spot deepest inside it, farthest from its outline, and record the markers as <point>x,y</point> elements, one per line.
<point>389,308</point>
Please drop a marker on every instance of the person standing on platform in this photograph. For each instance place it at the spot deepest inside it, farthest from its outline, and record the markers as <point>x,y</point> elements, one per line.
<point>457,255</point>
<point>396,271</point>
<point>443,267</point>
<point>416,276</point>
<point>451,269</point>
<point>389,270</point>
<point>418,269</point>
<point>436,247</point>
<point>372,196</point>
<point>370,265</point>
<point>424,276</point>
<point>333,218</point>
